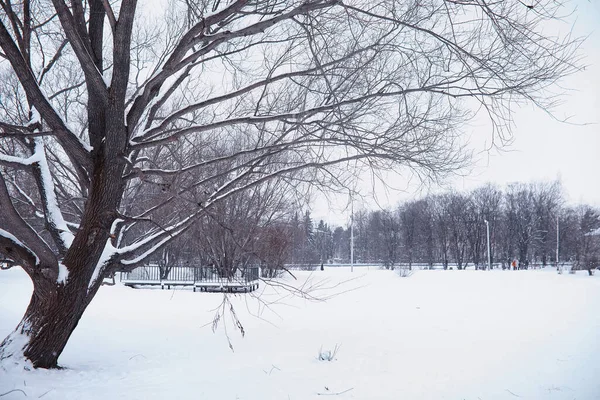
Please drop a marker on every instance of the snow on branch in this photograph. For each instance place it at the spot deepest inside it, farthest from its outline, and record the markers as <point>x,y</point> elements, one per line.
<point>147,253</point>
<point>9,239</point>
<point>63,274</point>
<point>70,142</point>
<point>19,161</point>
<point>107,254</point>
<point>54,217</point>
<point>169,232</point>
<point>27,198</point>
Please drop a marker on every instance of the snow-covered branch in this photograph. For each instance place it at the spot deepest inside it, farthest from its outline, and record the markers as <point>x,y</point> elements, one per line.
<point>10,245</point>
<point>78,154</point>
<point>21,242</point>
<point>55,221</point>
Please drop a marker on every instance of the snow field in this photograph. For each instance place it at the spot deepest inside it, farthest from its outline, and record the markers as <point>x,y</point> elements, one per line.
<point>435,335</point>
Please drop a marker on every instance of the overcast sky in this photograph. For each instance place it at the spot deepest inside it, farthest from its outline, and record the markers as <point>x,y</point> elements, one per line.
<point>543,148</point>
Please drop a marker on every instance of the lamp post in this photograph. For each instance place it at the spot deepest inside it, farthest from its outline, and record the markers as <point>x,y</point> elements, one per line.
<point>487,226</point>
<point>559,269</point>
<point>351,235</point>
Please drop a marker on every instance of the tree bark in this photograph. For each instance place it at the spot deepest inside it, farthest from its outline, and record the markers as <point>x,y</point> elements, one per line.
<point>51,317</point>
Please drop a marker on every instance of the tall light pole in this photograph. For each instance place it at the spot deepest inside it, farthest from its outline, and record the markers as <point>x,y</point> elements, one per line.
<point>487,227</point>
<point>351,234</point>
<point>557,244</point>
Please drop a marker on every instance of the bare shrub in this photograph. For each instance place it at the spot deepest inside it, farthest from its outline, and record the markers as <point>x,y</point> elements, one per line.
<point>404,271</point>
<point>328,355</point>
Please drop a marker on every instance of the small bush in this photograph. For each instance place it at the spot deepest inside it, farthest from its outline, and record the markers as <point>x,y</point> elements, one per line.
<point>328,355</point>
<point>308,267</point>
<point>302,267</point>
<point>404,271</point>
<point>266,272</point>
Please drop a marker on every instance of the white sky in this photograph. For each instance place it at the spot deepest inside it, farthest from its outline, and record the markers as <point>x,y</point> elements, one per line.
<point>543,148</point>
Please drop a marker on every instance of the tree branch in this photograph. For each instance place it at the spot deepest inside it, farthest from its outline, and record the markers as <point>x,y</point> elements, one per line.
<point>73,147</point>
<point>36,253</point>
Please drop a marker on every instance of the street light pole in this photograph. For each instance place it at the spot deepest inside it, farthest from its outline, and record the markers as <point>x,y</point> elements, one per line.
<point>351,235</point>
<point>487,226</point>
<point>557,245</point>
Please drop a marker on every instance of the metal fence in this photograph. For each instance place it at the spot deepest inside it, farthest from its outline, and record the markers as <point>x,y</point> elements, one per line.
<point>204,278</point>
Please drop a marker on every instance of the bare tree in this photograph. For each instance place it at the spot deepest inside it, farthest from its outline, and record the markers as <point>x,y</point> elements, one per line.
<point>390,238</point>
<point>232,230</point>
<point>441,227</point>
<point>341,244</point>
<point>362,248</point>
<point>547,199</point>
<point>273,249</point>
<point>323,243</point>
<point>413,218</point>
<point>569,239</point>
<point>521,219</point>
<point>588,251</point>
<point>459,217</point>
<point>484,205</point>
<point>319,85</point>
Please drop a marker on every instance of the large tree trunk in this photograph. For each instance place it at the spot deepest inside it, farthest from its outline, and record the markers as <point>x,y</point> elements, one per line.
<point>51,317</point>
<point>55,308</point>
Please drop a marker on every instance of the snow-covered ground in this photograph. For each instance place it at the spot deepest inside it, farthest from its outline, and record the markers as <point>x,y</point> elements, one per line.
<point>434,335</point>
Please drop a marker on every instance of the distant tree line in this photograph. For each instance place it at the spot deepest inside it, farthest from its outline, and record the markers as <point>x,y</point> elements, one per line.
<point>444,229</point>
<point>450,229</point>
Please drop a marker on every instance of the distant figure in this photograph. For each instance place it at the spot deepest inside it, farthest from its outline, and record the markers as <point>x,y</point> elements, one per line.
<point>515,265</point>
<point>322,269</point>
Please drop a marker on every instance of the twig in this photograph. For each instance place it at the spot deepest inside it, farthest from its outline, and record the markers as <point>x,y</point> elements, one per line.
<point>334,393</point>
<point>14,390</point>
<point>273,366</point>
<point>45,393</point>
<point>516,395</point>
